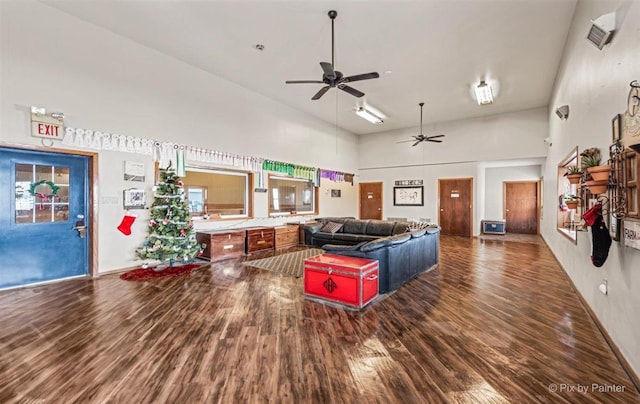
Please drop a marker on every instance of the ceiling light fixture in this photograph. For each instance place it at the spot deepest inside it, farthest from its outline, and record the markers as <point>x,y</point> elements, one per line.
<point>484,94</point>
<point>369,116</point>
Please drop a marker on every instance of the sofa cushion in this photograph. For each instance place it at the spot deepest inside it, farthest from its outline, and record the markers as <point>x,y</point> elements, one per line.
<point>380,228</point>
<point>355,238</point>
<point>418,233</point>
<point>353,226</point>
<point>331,227</point>
<point>400,227</point>
<point>399,238</point>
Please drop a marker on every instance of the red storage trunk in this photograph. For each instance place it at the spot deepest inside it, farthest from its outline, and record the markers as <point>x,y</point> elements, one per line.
<point>349,281</point>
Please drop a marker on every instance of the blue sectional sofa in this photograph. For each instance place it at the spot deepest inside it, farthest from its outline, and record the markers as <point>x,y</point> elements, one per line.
<point>401,256</point>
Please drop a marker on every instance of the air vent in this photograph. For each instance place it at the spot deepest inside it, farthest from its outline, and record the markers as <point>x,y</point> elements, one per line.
<point>602,29</point>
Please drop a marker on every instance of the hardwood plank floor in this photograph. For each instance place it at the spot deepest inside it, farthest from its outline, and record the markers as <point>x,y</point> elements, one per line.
<point>496,322</point>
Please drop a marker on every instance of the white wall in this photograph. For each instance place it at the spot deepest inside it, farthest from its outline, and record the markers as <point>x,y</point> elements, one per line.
<point>471,147</point>
<point>104,82</point>
<point>595,85</point>
<point>494,192</point>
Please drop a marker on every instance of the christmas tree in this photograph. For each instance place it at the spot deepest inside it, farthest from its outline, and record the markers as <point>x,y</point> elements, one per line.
<point>171,233</point>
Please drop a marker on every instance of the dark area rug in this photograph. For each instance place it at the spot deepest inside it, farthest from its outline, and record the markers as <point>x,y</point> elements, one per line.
<point>291,264</point>
<point>141,274</point>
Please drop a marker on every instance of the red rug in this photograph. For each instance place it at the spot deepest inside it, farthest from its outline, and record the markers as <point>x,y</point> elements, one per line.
<point>141,274</point>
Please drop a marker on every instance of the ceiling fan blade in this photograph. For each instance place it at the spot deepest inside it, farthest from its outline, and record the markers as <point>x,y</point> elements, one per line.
<point>434,141</point>
<point>416,143</point>
<point>358,77</point>
<point>304,82</point>
<point>327,68</point>
<point>321,92</point>
<point>435,136</point>
<point>351,90</point>
<point>405,141</point>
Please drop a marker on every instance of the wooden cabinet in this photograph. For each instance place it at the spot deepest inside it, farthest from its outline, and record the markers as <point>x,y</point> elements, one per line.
<point>286,236</point>
<point>260,239</point>
<point>222,244</point>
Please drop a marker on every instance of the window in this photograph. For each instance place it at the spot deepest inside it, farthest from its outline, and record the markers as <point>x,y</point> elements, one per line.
<point>290,196</point>
<point>569,215</point>
<point>218,193</point>
<point>41,194</point>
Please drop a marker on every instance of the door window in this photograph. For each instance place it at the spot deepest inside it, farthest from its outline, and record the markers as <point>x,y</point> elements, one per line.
<point>41,193</point>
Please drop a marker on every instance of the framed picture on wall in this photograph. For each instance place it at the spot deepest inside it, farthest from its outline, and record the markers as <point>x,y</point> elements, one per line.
<point>408,196</point>
<point>134,198</point>
<point>616,128</point>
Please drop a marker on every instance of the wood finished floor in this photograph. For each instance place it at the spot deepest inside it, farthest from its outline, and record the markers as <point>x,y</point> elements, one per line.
<point>496,322</point>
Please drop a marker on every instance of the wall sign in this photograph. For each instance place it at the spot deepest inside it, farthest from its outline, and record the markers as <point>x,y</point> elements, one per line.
<point>632,234</point>
<point>47,126</point>
<point>408,182</point>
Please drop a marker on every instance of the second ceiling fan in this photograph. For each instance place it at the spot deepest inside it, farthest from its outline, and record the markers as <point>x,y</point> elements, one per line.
<point>333,78</point>
<point>422,138</point>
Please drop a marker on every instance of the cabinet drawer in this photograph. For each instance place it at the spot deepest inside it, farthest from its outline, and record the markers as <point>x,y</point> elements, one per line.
<point>259,243</point>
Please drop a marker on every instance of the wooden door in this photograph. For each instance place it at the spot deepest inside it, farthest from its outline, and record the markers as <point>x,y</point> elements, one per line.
<point>46,196</point>
<point>455,206</point>
<point>521,207</point>
<point>371,200</point>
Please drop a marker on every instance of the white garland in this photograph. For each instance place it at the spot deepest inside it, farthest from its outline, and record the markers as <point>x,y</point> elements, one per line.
<point>163,152</point>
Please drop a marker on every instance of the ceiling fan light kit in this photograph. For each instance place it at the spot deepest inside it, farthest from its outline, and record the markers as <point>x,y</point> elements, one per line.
<point>334,78</point>
<point>484,93</point>
<point>369,116</point>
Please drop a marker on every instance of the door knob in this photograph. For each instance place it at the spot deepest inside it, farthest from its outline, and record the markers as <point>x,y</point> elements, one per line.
<point>80,228</point>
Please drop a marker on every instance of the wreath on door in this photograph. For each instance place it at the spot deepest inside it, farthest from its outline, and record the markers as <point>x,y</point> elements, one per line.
<point>43,197</point>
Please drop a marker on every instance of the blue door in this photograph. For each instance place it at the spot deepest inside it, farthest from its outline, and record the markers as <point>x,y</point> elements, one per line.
<point>43,197</point>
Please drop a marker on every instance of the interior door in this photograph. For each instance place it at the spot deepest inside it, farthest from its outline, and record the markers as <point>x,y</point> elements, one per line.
<point>44,195</point>
<point>456,206</point>
<point>521,207</point>
<point>371,200</point>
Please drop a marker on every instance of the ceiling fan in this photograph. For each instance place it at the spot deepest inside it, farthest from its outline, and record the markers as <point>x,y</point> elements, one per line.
<point>421,137</point>
<point>333,78</point>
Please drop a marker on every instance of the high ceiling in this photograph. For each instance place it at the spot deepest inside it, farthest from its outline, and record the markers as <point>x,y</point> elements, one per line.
<point>434,50</point>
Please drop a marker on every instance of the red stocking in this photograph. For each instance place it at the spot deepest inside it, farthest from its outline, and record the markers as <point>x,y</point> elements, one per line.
<point>127,221</point>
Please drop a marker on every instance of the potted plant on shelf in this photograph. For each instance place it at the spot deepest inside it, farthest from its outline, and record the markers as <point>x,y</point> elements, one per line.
<point>571,201</point>
<point>591,161</point>
<point>573,174</point>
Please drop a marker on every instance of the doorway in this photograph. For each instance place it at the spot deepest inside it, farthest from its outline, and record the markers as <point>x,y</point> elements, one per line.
<point>370,200</point>
<point>48,202</point>
<point>521,206</point>
<point>455,206</point>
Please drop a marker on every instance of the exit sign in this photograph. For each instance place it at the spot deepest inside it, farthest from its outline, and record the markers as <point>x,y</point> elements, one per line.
<point>46,126</point>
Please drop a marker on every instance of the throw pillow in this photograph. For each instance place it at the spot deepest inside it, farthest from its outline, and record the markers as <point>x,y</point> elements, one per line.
<point>417,226</point>
<point>331,227</point>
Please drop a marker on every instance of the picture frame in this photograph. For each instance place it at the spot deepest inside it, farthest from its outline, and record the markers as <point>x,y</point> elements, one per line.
<point>134,198</point>
<point>408,196</point>
<point>616,128</point>
<point>336,193</point>
<point>134,171</point>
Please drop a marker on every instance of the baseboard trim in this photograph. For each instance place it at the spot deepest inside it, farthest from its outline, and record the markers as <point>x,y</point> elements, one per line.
<point>614,348</point>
